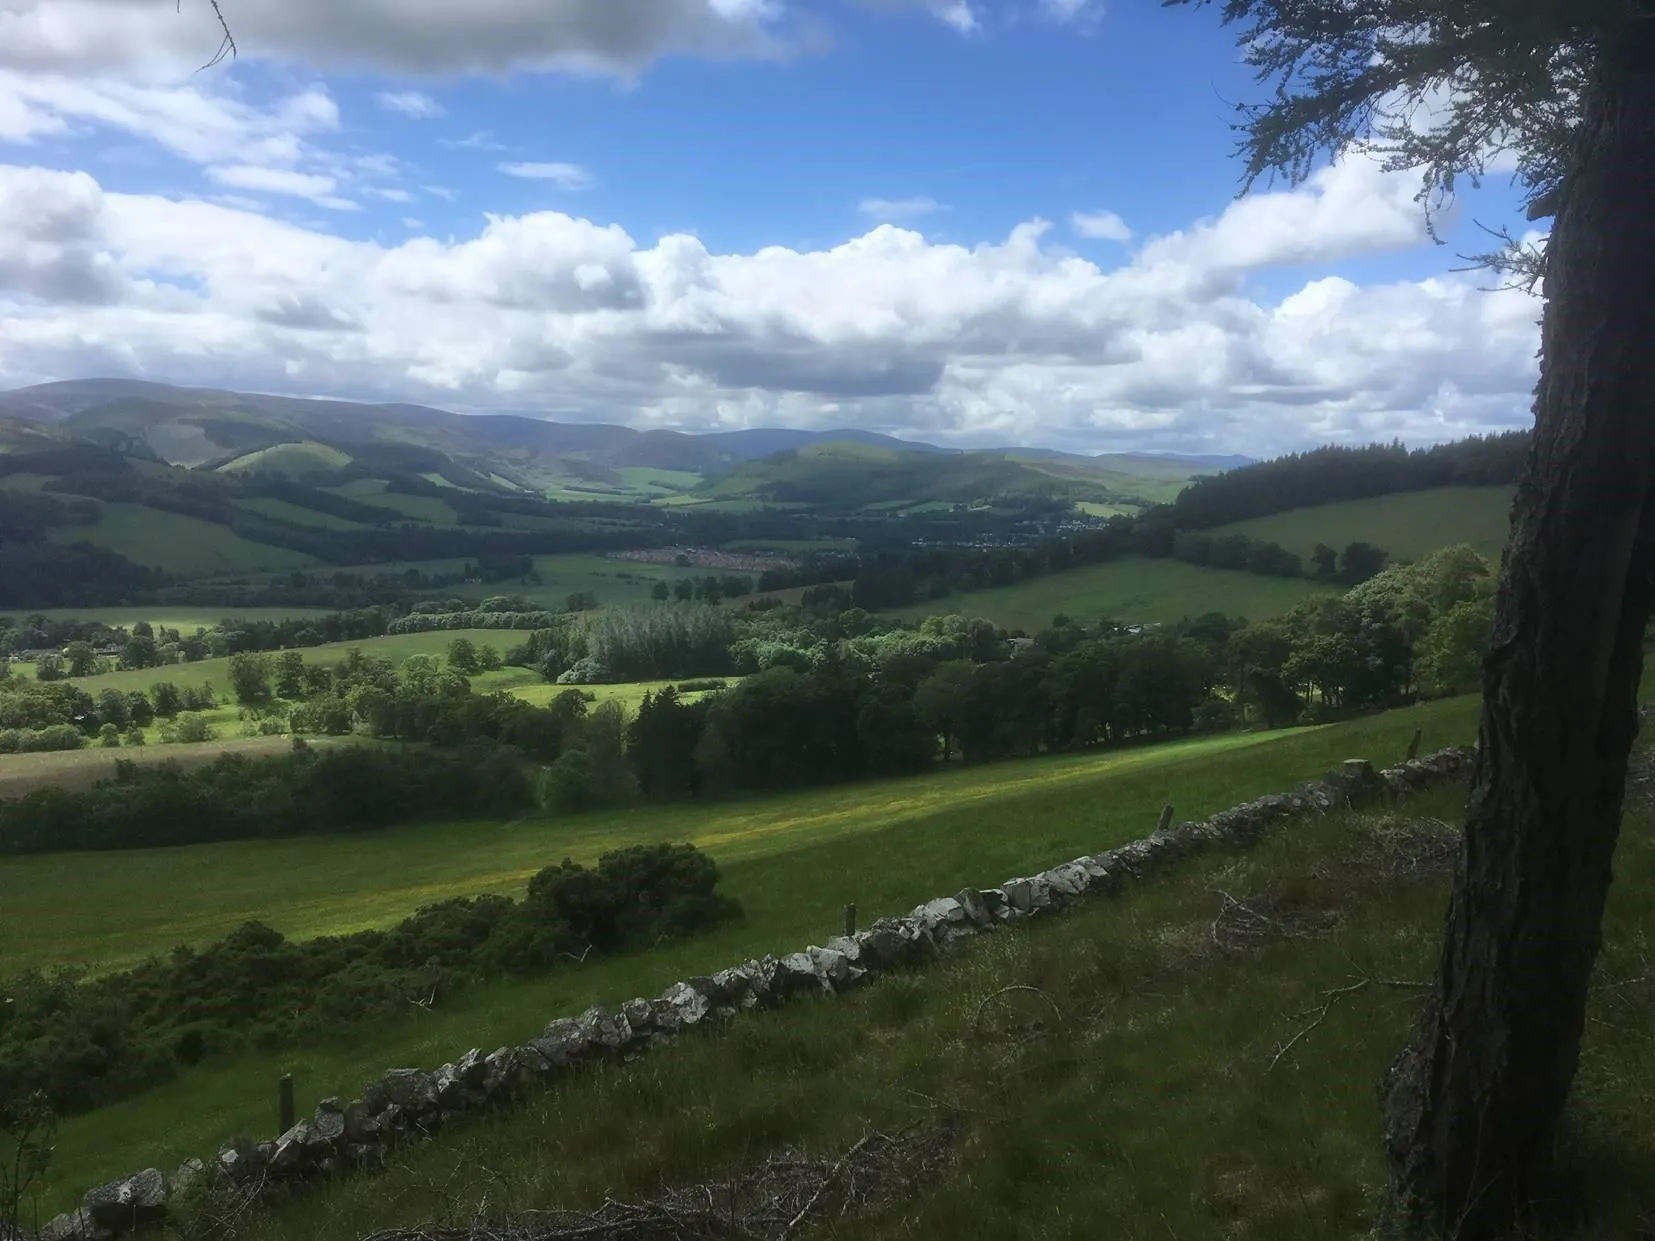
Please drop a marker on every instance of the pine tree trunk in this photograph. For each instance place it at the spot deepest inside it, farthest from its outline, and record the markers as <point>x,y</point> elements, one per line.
<point>1472,1106</point>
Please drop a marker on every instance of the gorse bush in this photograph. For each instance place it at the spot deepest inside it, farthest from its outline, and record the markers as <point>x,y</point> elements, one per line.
<point>85,1042</point>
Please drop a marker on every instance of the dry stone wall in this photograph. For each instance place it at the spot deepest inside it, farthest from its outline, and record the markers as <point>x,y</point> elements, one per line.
<point>411,1104</point>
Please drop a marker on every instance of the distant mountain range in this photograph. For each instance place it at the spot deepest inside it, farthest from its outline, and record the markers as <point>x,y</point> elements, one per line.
<point>318,441</point>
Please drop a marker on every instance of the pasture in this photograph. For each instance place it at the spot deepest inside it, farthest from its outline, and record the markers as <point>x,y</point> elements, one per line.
<point>1133,591</point>
<point>178,544</point>
<point>21,774</point>
<point>792,860</point>
<point>1142,1068</point>
<point>561,575</point>
<point>1409,525</point>
<point>216,672</point>
<point>184,618</point>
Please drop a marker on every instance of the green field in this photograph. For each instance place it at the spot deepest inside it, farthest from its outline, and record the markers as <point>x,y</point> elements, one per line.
<point>792,860</point>
<point>216,672</point>
<point>1144,1068</point>
<point>612,581</point>
<point>373,491</point>
<point>178,544</point>
<point>1133,591</point>
<point>1409,526</point>
<point>185,619</point>
<point>284,511</point>
<point>528,686</point>
<point>649,481</point>
<point>21,774</point>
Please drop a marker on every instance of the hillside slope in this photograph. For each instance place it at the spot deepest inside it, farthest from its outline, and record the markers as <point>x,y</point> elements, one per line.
<point>1408,526</point>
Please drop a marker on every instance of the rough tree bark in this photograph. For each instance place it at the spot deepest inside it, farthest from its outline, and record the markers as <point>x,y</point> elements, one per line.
<point>1472,1105</point>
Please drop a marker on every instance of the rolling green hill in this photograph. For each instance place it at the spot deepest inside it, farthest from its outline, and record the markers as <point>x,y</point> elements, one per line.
<point>850,477</point>
<point>306,461</point>
<point>1408,526</point>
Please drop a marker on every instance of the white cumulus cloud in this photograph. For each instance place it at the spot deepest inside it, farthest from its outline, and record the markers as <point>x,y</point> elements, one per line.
<point>410,103</point>
<point>564,176</point>
<point>898,208</point>
<point>1100,226</point>
<point>1010,339</point>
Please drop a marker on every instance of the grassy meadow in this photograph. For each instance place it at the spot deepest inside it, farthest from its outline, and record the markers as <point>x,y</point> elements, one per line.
<point>178,544</point>
<point>21,774</point>
<point>792,860</point>
<point>1133,590</point>
<point>216,672</point>
<point>184,618</point>
<point>1409,525</point>
<point>1160,1074</point>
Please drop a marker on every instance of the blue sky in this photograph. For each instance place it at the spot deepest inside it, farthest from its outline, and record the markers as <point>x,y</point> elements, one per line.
<point>315,217</point>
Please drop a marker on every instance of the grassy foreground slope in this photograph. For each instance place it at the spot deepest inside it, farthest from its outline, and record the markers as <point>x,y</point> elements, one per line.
<point>1134,590</point>
<point>792,861</point>
<point>1409,525</point>
<point>1170,1067</point>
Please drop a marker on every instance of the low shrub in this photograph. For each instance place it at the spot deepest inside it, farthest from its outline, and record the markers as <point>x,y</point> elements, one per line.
<point>85,1042</point>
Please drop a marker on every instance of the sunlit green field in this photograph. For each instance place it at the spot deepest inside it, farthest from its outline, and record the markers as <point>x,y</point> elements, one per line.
<point>216,672</point>
<point>792,860</point>
<point>1134,591</point>
<point>1409,525</point>
<point>185,619</point>
<point>178,544</point>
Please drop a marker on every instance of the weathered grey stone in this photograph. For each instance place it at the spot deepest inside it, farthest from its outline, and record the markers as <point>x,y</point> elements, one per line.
<point>563,1040</point>
<point>365,1155</point>
<point>796,972</point>
<point>328,1125</point>
<point>831,965</point>
<point>72,1226</point>
<point>451,1091</point>
<point>291,1149</point>
<point>503,1071</point>
<point>533,1060</point>
<point>121,1206</point>
<point>638,1013</point>
<point>361,1125</point>
<point>471,1068</point>
<point>849,945</point>
<point>602,1028</point>
<point>1019,896</point>
<point>883,947</point>
<point>1068,880</point>
<point>976,909</point>
<point>942,911</point>
<point>730,986</point>
<point>187,1180</point>
<point>680,1005</point>
<point>409,1089</point>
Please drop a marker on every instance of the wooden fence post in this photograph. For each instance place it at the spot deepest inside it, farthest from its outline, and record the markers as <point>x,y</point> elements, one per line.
<point>1166,818</point>
<point>1413,746</point>
<point>284,1095</point>
<point>850,919</point>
